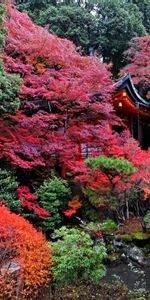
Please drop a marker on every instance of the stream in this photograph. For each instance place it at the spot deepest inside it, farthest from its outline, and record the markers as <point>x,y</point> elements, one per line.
<point>131,275</point>
<point>129,263</point>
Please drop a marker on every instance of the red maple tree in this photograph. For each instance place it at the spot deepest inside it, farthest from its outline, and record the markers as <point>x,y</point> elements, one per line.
<point>139,63</point>
<point>125,147</point>
<point>58,110</point>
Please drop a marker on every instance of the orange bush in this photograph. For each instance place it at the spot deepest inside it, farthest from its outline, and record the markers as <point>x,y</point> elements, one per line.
<point>25,258</point>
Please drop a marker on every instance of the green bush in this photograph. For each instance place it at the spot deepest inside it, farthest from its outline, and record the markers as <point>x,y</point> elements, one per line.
<point>9,91</point>
<point>9,84</point>
<point>76,258</point>
<point>111,165</point>
<point>2,28</point>
<point>53,195</point>
<point>147,219</point>
<point>111,185</point>
<point>8,187</point>
<point>109,226</point>
<point>88,211</point>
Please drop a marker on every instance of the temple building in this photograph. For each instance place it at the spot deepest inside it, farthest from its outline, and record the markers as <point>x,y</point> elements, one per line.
<point>134,110</point>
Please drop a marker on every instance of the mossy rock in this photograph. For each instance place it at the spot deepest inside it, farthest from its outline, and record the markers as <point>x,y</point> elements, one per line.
<point>140,236</point>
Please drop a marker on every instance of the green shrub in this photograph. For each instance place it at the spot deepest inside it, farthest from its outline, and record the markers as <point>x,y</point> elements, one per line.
<point>89,212</point>
<point>9,91</point>
<point>53,195</point>
<point>111,165</point>
<point>91,226</point>
<point>77,258</point>
<point>8,187</point>
<point>2,28</point>
<point>147,219</point>
<point>9,84</point>
<point>110,181</point>
<point>109,226</point>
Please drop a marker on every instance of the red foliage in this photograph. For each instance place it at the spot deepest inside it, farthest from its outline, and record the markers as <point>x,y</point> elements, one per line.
<point>121,146</point>
<point>26,198</point>
<point>139,63</point>
<point>69,212</point>
<point>57,77</point>
<point>25,257</point>
<point>99,235</point>
<point>129,149</point>
<point>126,147</point>
<point>25,194</point>
<point>59,113</point>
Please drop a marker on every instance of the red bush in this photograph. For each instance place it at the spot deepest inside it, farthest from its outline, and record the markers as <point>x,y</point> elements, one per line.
<point>27,200</point>
<point>24,258</point>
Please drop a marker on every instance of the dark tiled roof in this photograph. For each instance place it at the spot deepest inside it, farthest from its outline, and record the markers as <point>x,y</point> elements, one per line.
<point>127,84</point>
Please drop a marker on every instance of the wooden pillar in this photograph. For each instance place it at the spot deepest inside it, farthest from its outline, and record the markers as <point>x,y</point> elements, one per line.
<point>139,125</point>
<point>131,126</point>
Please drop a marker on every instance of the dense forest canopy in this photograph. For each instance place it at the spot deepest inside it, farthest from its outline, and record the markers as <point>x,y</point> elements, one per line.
<point>104,25</point>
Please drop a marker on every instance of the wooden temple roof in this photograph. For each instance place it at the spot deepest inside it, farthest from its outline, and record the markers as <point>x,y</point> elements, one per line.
<point>126,98</point>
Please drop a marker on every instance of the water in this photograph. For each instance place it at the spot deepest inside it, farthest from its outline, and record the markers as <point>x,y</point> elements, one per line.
<point>129,274</point>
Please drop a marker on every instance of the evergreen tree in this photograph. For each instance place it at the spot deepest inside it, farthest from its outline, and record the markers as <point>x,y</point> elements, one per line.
<point>9,85</point>
<point>8,190</point>
<point>144,7</point>
<point>2,29</point>
<point>53,196</point>
<point>118,22</point>
<point>9,90</point>
<point>71,22</point>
